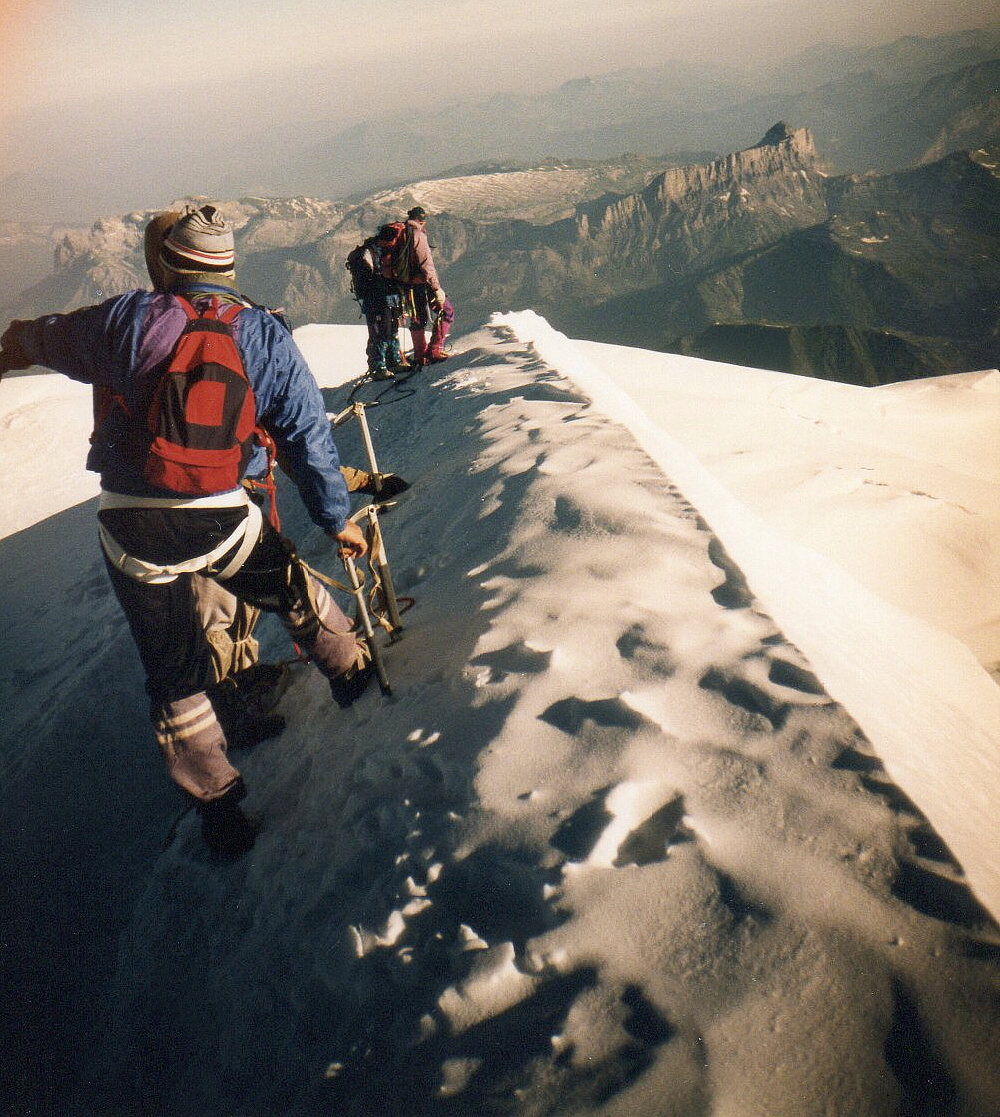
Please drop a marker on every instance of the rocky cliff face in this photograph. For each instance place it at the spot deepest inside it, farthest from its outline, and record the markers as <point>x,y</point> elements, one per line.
<point>742,201</point>
<point>686,220</point>
<point>684,209</point>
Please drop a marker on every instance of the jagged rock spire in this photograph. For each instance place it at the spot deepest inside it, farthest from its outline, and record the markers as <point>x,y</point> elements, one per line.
<point>776,134</point>
<point>799,140</point>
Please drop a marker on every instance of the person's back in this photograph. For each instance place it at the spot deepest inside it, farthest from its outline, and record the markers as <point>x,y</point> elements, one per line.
<point>378,292</point>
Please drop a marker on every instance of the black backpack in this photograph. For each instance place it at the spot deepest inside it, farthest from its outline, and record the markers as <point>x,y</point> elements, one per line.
<point>362,263</point>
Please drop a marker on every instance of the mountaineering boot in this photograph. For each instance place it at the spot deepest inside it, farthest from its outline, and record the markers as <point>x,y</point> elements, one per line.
<point>381,373</point>
<point>226,830</point>
<point>434,358</point>
<point>350,685</point>
<point>373,484</point>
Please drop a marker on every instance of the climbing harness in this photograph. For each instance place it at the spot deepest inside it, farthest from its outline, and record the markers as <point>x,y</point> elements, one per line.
<point>243,538</point>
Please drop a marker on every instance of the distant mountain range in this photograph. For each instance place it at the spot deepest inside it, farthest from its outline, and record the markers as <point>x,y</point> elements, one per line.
<point>758,257</point>
<point>881,110</point>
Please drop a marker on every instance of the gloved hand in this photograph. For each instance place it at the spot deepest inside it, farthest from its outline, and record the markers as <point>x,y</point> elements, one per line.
<point>12,355</point>
<point>439,295</point>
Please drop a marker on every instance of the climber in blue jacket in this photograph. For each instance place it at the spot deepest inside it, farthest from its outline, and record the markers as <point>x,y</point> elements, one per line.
<point>154,539</point>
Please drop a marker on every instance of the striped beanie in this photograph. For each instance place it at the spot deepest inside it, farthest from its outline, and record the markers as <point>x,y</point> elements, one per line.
<point>200,243</point>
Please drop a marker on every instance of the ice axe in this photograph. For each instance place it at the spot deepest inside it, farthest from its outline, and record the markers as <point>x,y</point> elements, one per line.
<point>366,622</point>
<point>379,558</point>
<point>357,411</point>
<point>380,561</point>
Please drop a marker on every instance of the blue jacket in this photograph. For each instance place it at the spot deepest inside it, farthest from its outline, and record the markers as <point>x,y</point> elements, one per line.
<point>126,339</point>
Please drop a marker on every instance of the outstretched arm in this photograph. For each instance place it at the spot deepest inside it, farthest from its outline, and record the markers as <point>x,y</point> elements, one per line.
<point>92,345</point>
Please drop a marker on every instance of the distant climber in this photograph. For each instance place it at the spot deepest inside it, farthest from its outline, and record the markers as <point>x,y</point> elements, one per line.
<point>156,534</point>
<point>373,281</point>
<point>424,294</point>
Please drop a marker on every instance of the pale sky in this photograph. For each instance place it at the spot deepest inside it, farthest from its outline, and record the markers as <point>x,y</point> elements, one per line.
<point>108,105</point>
<point>54,50</point>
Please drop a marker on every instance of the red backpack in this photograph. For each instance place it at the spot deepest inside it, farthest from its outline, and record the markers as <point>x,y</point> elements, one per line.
<point>202,415</point>
<point>394,249</point>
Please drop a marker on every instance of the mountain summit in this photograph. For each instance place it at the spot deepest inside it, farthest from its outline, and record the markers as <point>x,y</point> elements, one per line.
<point>776,134</point>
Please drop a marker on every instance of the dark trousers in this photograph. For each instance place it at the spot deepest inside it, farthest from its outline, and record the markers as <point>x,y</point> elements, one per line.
<point>170,637</point>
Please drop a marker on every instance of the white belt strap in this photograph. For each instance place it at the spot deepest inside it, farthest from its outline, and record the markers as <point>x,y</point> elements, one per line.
<point>234,499</point>
<point>246,535</point>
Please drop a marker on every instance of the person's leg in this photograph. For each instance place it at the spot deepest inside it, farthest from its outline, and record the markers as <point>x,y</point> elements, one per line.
<point>274,579</point>
<point>396,361</point>
<point>442,326</point>
<point>418,323</point>
<point>419,338</point>
<point>228,625</point>
<point>179,666</point>
<point>375,347</point>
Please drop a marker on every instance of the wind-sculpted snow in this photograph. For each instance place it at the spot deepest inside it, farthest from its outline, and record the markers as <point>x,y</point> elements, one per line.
<point>610,847</point>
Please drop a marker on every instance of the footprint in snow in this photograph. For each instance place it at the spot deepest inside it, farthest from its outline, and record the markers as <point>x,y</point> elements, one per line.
<point>571,714</point>
<point>515,659</point>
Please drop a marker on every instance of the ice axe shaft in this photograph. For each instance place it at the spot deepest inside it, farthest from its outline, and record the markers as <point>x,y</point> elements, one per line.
<point>381,560</point>
<point>366,623</point>
<point>357,411</point>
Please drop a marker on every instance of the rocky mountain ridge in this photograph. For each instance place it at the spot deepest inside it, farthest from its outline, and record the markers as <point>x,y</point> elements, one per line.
<point>761,255</point>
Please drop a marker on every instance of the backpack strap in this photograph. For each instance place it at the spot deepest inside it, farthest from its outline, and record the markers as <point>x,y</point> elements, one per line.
<point>188,307</point>
<point>230,314</point>
<point>215,311</point>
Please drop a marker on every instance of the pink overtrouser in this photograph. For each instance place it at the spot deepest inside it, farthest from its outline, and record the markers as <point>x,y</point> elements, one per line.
<point>442,324</point>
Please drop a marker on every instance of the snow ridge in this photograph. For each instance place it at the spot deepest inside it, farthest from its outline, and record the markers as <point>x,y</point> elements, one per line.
<point>613,845</point>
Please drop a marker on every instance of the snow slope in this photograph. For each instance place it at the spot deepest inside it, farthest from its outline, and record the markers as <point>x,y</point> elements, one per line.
<point>636,832</point>
<point>871,531</point>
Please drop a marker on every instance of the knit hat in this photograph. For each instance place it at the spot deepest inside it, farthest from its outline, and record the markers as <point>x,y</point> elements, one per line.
<point>200,243</point>
<point>156,230</point>
<point>418,213</point>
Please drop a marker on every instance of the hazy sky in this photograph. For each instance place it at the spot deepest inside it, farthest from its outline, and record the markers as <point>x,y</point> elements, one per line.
<point>53,50</point>
<point>112,105</point>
